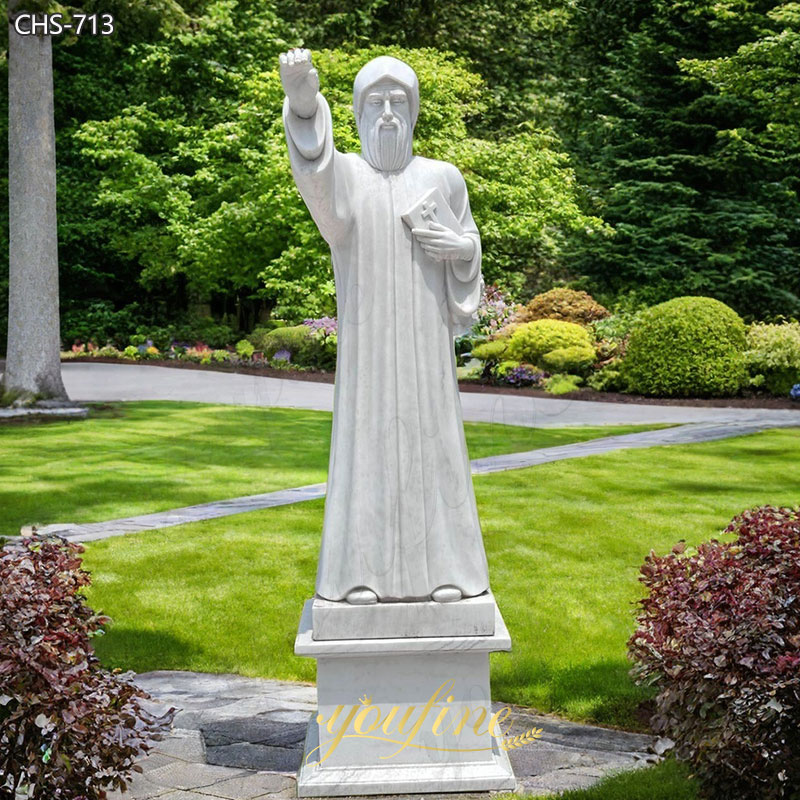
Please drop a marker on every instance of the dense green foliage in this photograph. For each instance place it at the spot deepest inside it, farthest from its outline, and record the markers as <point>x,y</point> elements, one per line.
<point>530,341</point>
<point>575,359</point>
<point>687,347</point>
<point>773,355</point>
<point>700,190</point>
<point>641,149</point>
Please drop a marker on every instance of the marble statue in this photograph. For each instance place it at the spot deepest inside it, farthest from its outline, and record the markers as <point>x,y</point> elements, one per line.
<point>400,517</point>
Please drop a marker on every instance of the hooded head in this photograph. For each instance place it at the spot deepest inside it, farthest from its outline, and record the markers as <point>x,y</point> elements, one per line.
<point>386,104</point>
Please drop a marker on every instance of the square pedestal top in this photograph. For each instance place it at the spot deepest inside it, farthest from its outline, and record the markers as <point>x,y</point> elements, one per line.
<point>306,645</point>
<point>472,616</point>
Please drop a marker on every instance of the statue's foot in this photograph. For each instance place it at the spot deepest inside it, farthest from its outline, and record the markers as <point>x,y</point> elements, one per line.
<point>361,597</point>
<point>446,594</point>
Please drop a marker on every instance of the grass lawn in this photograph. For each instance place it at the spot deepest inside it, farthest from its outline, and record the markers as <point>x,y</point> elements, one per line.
<point>137,458</point>
<point>565,542</point>
<point>667,781</point>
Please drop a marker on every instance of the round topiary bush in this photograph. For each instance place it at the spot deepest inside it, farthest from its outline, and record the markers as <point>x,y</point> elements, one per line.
<point>687,347</point>
<point>566,305</point>
<point>531,341</point>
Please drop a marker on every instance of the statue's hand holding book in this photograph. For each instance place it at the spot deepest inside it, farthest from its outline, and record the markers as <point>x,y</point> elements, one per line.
<point>437,230</point>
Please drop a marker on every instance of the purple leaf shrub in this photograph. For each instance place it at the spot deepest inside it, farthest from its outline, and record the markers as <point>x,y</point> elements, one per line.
<point>69,729</point>
<point>719,635</point>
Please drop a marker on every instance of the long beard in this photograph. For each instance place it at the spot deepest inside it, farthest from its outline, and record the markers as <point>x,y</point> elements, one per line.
<point>387,147</point>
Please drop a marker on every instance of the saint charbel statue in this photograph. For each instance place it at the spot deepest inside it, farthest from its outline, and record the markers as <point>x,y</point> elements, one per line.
<point>400,517</point>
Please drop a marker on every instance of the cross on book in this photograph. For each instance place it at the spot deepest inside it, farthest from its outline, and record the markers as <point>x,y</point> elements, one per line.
<point>432,207</point>
<point>429,210</point>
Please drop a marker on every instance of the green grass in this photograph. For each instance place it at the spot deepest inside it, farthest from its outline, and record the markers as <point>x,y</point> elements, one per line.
<point>564,540</point>
<point>667,781</point>
<point>138,458</point>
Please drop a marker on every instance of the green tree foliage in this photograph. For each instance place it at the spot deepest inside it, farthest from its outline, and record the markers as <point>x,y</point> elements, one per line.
<point>206,192</point>
<point>512,44</point>
<point>694,206</point>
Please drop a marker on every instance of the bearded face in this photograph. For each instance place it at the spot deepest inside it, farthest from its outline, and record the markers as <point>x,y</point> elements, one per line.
<point>385,127</point>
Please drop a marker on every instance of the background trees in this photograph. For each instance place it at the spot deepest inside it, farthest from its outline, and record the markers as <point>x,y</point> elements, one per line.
<point>641,149</point>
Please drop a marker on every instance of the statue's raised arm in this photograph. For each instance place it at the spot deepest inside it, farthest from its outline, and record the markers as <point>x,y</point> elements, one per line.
<point>316,166</point>
<point>300,82</point>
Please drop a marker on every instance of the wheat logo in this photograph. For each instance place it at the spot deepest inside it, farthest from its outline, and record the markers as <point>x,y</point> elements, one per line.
<point>510,742</point>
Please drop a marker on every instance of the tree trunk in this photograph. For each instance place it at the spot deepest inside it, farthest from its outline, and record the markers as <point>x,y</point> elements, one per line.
<point>33,366</point>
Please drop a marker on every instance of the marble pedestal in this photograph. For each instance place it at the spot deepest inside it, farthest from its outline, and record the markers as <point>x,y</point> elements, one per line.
<point>384,696</point>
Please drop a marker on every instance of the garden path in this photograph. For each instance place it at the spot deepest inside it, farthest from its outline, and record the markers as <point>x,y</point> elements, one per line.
<point>242,738</point>
<point>109,382</point>
<point>683,434</point>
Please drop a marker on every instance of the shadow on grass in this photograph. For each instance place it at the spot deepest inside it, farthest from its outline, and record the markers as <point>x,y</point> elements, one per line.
<point>603,691</point>
<point>144,650</point>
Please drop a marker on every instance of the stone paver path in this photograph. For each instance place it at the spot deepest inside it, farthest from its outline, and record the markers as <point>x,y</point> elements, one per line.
<point>684,434</point>
<point>240,738</point>
<point>76,412</point>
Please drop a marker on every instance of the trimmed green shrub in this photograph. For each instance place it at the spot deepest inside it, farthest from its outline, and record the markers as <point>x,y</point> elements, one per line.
<point>532,340</point>
<point>561,384</point>
<point>774,352</point>
<point>687,347</point>
<point>245,349</point>
<point>576,360</point>
<point>608,379</point>
<point>295,339</point>
<point>305,346</point>
<point>491,351</point>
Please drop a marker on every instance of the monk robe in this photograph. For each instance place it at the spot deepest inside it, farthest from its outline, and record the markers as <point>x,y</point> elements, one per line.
<point>400,514</point>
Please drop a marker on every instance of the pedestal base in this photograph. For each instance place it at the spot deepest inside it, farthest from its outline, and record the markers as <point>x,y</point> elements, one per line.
<point>403,715</point>
<point>313,781</point>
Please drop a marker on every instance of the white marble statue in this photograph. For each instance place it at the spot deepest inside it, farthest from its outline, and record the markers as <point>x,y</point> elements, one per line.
<point>400,516</point>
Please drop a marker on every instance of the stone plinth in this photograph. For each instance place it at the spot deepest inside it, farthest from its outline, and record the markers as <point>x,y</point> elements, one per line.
<point>473,616</point>
<point>379,700</point>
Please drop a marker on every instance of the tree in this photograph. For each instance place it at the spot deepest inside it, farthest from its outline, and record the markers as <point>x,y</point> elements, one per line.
<point>33,366</point>
<point>695,208</point>
<point>196,181</point>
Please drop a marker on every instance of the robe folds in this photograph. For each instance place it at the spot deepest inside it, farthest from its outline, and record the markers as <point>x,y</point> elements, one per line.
<point>400,514</point>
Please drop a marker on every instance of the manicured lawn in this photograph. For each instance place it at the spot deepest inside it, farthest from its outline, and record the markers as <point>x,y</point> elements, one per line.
<point>667,781</point>
<point>564,540</point>
<point>137,458</point>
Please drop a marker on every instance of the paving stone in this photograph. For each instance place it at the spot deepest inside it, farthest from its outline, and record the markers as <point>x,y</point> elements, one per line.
<point>248,787</point>
<point>186,776</point>
<point>186,745</point>
<point>140,788</point>
<point>256,757</point>
<point>257,730</point>
<point>156,760</point>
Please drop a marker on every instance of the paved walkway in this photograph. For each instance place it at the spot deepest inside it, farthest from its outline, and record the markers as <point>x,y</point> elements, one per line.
<point>240,738</point>
<point>108,382</point>
<point>684,434</point>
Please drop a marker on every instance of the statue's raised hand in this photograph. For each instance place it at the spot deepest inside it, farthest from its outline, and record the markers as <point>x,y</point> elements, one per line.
<point>300,81</point>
